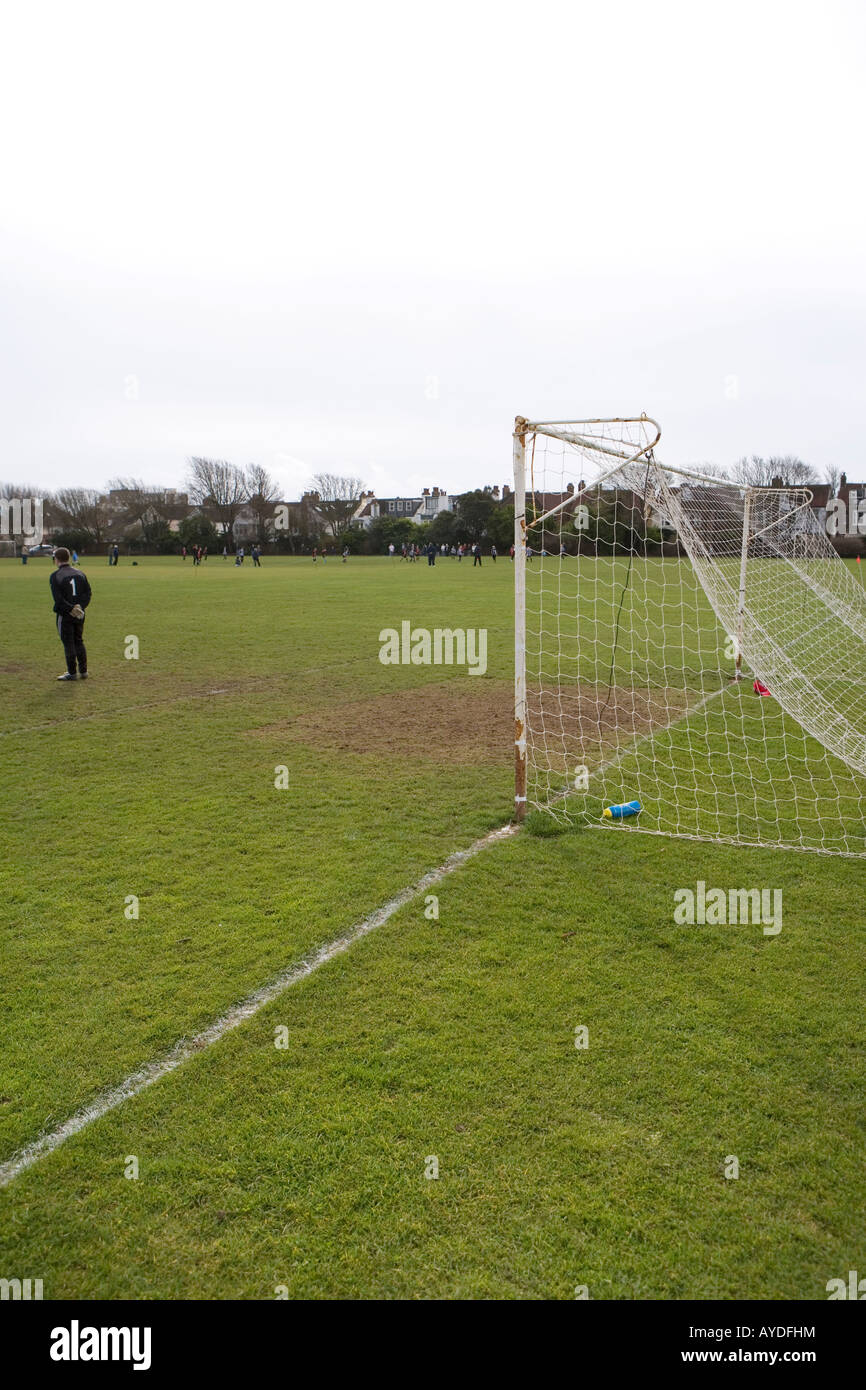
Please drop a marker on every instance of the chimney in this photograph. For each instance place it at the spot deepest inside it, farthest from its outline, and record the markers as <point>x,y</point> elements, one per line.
<point>425,492</point>
<point>570,488</point>
<point>843,480</point>
<point>496,490</point>
<point>506,491</point>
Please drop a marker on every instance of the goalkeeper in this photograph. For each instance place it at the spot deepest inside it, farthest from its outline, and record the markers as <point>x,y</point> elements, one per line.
<point>71,593</point>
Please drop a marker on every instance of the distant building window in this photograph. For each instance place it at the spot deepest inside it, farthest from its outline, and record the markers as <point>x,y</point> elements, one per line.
<point>390,506</point>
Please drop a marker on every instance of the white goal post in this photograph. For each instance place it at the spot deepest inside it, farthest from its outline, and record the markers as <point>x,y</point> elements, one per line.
<point>682,642</point>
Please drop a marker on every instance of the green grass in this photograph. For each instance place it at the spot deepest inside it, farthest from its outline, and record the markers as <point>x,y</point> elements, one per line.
<point>305,1166</point>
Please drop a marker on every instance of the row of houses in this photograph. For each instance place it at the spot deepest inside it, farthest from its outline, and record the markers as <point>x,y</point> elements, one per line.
<point>303,516</point>
<point>417,509</point>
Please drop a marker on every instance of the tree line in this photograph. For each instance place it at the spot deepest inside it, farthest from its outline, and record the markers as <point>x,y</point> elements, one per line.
<point>219,491</point>
<point>139,515</point>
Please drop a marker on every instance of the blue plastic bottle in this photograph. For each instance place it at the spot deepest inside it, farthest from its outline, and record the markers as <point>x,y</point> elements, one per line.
<point>621,812</point>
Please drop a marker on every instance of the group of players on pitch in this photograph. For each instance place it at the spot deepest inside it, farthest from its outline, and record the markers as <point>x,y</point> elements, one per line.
<point>71,592</point>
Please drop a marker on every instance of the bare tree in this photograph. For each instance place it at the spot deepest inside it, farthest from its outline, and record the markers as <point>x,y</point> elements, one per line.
<point>138,505</point>
<point>82,509</point>
<point>262,493</point>
<point>754,471</point>
<point>713,470</point>
<point>136,496</point>
<point>219,485</point>
<point>793,471</point>
<point>21,490</point>
<point>337,498</point>
<point>833,476</point>
<point>762,472</point>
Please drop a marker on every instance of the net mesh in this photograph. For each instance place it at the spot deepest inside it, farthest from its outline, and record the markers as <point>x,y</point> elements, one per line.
<point>653,604</point>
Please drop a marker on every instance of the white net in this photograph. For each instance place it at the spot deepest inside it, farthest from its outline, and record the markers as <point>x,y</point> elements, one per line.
<point>654,602</point>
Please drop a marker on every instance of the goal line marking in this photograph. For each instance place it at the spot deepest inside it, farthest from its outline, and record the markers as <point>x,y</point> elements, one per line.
<point>152,1071</point>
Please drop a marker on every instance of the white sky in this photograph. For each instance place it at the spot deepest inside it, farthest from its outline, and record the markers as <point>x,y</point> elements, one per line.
<point>362,237</point>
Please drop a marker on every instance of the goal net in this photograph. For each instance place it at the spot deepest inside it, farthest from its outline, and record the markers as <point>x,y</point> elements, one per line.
<point>686,643</point>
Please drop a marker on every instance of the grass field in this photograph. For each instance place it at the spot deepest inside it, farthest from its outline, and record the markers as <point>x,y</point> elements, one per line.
<point>303,1166</point>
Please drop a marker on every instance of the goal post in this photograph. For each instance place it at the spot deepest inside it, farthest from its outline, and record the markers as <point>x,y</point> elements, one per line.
<point>519,618</point>
<point>655,607</point>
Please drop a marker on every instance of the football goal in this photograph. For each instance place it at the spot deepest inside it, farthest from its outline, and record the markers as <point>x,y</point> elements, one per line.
<point>682,643</point>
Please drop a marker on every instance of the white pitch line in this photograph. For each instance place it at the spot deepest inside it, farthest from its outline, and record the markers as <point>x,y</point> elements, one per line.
<point>187,1047</point>
<point>184,1049</point>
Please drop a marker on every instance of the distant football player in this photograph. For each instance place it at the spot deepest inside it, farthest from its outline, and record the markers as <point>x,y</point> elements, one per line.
<point>71,593</point>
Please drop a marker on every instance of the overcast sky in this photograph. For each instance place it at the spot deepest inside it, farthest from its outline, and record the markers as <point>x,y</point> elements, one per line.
<point>362,237</point>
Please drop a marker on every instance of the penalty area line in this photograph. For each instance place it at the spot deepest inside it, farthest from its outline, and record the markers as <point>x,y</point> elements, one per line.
<point>185,1048</point>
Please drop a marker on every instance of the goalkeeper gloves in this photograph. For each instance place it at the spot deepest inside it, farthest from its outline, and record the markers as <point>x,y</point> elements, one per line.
<point>77,611</point>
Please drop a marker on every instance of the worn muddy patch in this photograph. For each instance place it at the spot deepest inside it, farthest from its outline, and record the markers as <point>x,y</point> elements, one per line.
<point>448,721</point>
<point>432,723</point>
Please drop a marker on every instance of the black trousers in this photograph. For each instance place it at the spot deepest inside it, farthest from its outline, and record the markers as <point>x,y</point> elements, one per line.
<point>71,632</point>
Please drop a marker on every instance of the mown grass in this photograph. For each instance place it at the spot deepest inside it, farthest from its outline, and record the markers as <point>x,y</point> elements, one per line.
<point>452,1038</point>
